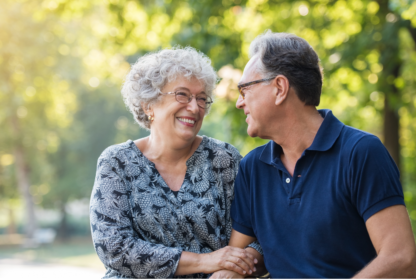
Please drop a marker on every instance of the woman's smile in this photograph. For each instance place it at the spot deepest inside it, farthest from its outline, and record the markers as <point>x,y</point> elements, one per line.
<point>188,121</point>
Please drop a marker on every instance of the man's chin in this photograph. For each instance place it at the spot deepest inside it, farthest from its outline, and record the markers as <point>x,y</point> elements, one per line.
<point>251,133</point>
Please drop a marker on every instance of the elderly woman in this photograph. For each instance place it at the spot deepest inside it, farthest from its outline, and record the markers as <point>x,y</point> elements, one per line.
<point>160,206</point>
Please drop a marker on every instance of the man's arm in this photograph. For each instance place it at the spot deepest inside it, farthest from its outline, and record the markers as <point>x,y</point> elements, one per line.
<point>240,240</point>
<point>391,234</point>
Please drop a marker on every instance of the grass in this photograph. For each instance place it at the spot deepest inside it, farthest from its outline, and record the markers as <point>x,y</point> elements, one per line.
<point>79,253</point>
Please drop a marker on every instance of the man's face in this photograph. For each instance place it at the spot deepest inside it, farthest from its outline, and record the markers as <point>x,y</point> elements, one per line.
<point>258,104</point>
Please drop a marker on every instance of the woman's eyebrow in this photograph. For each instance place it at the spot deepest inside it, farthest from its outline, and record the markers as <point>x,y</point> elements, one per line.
<point>182,88</point>
<point>187,89</point>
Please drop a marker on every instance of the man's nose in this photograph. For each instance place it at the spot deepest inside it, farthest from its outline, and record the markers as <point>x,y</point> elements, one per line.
<point>240,102</point>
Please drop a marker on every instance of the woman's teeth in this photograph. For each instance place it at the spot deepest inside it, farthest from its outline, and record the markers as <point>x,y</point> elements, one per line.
<point>186,120</point>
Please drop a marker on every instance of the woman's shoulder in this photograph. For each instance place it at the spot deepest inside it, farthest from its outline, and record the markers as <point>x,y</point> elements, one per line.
<point>119,151</point>
<point>220,147</point>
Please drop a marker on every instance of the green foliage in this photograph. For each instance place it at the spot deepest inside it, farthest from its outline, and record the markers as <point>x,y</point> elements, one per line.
<point>62,63</point>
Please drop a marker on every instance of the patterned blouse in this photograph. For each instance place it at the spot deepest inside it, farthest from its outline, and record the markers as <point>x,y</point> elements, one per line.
<point>140,227</point>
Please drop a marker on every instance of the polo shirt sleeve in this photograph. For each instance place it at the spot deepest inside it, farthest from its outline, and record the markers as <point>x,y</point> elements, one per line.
<point>240,208</point>
<point>374,178</point>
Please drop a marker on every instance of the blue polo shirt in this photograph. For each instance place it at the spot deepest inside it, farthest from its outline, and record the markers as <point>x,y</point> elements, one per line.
<point>312,224</point>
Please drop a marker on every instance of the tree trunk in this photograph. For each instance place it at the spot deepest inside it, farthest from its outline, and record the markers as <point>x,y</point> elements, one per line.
<point>22,174</point>
<point>391,128</point>
<point>11,227</point>
<point>63,225</point>
<point>389,58</point>
<point>23,183</point>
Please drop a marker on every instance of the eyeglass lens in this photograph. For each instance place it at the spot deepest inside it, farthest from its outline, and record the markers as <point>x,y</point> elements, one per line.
<point>202,100</point>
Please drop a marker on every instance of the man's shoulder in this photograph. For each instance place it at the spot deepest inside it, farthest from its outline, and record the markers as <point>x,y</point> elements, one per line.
<point>353,139</point>
<point>254,155</point>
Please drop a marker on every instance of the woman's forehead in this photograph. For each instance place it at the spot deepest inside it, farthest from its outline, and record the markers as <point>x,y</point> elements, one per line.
<point>189,84</point>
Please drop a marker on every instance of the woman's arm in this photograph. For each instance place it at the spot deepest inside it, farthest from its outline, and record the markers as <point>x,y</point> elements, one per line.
<point>119,247</point>
<point>117,244</point>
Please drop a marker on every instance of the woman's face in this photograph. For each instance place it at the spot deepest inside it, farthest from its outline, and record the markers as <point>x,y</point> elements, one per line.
<point>178,121</point>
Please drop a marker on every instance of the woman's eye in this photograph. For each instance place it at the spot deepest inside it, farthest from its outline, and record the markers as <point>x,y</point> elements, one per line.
<point>182,94</point>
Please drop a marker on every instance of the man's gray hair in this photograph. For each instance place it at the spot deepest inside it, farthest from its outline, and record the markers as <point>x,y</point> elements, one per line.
<point>291,56</point>
<point>153,71</point>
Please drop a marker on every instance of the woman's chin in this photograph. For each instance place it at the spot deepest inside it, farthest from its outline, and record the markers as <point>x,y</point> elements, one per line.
<point>187,135</point>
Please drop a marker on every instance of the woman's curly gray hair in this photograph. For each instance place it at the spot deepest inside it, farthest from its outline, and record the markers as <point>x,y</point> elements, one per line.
<point>153,71</point>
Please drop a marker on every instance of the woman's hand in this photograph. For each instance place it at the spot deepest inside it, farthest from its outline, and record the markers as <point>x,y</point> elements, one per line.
<point>229,258</point>
<point>226,274</point>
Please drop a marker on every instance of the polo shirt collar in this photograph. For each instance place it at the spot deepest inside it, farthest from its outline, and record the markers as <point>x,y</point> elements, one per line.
<point>325,138</point>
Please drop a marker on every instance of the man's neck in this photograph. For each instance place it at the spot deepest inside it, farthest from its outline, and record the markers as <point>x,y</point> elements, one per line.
<point>297,134</point>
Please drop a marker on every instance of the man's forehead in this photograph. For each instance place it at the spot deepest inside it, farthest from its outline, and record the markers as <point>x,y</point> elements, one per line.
<point>250,71</point>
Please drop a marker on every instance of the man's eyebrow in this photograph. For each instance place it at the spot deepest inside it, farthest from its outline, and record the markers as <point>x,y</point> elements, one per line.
<point>241,83</point>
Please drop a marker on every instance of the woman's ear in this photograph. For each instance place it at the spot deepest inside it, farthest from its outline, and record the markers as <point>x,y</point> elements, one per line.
<point>147,108</point>
<point>281,84</point>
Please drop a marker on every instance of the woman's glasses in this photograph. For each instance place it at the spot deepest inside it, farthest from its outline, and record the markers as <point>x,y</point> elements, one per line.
<point>184,97</point>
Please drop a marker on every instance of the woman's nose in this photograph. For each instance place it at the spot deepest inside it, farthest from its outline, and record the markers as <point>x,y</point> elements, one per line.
<point>193,106</point>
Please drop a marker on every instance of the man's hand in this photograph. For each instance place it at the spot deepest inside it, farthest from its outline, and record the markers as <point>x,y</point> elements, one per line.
<point>226,274</point>
<point>392,237</point>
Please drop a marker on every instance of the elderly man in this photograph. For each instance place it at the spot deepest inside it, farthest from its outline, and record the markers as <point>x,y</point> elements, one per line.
<point>323,199</point>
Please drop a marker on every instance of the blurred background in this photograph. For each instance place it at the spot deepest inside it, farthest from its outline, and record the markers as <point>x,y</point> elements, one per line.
<point>62,64</point>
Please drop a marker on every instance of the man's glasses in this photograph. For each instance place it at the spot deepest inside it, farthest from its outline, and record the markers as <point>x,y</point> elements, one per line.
<point>242,86</point>
<point>184,97</point>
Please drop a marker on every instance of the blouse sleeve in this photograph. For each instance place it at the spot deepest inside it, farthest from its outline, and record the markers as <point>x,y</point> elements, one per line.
<point>116,242</point>
<point>230,197</point>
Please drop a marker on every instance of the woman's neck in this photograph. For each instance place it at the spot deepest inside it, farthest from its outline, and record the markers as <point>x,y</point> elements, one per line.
<point>166,150</point>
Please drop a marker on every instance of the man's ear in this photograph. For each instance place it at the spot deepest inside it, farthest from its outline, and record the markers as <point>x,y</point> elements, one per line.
<point>281,84</point>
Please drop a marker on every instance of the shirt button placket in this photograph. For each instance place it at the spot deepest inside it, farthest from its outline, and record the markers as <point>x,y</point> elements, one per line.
<point>288,186</point>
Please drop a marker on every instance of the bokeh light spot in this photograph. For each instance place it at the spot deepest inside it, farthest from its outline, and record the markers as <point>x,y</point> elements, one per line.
<point>94,82</point>
<point>64,49</point>
<point>6,159</point>
<point>374,96</point>
<point>373,78</point>
<point>303,10</point>
<point>334,58</point>
<point>21,112</point>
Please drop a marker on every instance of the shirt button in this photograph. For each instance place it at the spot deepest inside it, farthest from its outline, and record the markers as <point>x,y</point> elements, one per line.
<point>288,180</point>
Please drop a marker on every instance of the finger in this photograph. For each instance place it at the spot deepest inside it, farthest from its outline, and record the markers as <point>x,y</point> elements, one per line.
<point>241,263</point>
<point>240,257</point>
<point>251,256</point>
<point>247,258</point>
<point>233,267</point>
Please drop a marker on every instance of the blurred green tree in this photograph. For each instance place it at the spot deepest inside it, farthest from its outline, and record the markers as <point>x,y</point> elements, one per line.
<point>62,64</point>
<point>35,100</point>
<point>366,47</point>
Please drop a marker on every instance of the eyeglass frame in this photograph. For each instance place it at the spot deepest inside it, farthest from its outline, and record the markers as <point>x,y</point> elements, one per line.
<point>240,87</point>
<point>192,96</point>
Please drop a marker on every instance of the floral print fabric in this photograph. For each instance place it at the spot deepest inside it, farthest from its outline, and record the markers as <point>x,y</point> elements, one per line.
<point>140,227</point>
